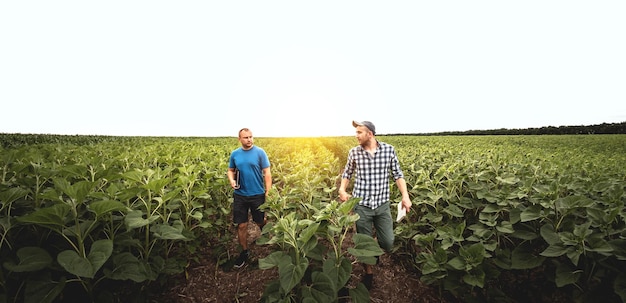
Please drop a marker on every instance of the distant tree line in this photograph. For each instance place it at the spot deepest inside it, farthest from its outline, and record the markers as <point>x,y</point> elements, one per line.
<point>604,128</point>
<point>11,140</point>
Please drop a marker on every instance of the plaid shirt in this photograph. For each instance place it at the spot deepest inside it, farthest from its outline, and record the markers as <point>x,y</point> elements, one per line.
<point>372,173</point>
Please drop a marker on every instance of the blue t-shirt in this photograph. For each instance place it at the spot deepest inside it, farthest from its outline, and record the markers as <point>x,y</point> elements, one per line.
<point>250,164</point>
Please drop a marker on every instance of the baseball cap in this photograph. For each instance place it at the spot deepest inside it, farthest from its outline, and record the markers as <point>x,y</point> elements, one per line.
<point>367,124</point>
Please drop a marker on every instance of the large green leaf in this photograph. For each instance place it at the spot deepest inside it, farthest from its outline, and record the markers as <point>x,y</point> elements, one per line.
<point>571,202</point>
<point>531,213</point>
<point>308,232</point>
<point>524,257</point>
<point>596,243</point>
<point>272,292</point>
<point>524,234</point>
<point>505,227</point>
<point>487,195</point>
<point>86,267</point>
<point>274,259</point>
<point>100,252</point>
<point>169,232</point>
<point>619,248</point>
<point>77,191</point>
<point>75,264</point>
<point>30,259</point>
<point>135,219</point>
<point>12,194</point>
<point>360,294</point>
<point>291,273</point>
<point>458,263</point>
<point>599,216</point>
<point>53,217</point>
<point>508,179</point>
<point>489,219</point>
<point>79,230</point>
<point>134,175</point>
<point>311,248</point>
<point>469,258</point>
<point>492,208</point>
<point>42,289</point>
<point>339,274</point>
<point>474,254</point>
<point>435,262</point>
<point>127,267</point>
<point>365,248</point>
<point>481,231</point>
<point>566,275</point>
<point>103,207</point>
<point>346,207</point>
<point>75,170</point>
<point>574,253</point>
<point>502,258</point>
<point>454,211</point>
<point>321,290</point>
<point>550,235</point>
<point>157,184</point>
<point>475,277</point>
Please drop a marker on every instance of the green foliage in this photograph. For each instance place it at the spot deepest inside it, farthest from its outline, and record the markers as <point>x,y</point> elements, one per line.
<point>312,265</point>
<point>115,210</point>
<point>485,205</point>
<point>84,210</point>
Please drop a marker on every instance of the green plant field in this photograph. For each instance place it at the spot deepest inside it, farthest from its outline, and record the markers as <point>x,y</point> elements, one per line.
<point>492,208</point>
<point>85,217</point>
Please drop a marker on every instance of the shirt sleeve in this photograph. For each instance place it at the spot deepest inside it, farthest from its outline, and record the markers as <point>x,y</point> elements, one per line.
<point>265,160</point>
<point>395,165</point>
<point>231,160</point>
<point>350,164</point>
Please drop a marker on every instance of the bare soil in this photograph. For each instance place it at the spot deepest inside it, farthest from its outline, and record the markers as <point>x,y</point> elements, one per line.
<point>209,281</point>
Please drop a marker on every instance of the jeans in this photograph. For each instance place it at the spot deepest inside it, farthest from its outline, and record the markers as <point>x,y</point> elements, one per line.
<point>380,219</point>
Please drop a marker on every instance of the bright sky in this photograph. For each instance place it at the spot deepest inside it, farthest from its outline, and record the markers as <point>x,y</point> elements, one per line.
<point>308,68</point>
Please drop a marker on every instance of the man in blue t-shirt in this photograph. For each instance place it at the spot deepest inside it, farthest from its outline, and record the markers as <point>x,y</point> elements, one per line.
<point>249,175</point>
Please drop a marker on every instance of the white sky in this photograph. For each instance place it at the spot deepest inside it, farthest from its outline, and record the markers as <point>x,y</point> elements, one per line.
<point>296,68</point>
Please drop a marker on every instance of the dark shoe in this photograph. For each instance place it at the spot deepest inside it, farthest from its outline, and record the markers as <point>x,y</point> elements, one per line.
<point>241,260</point>
<point>367,281</point>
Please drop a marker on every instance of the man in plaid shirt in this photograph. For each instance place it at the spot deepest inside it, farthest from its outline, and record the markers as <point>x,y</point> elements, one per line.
<point>373,161</point>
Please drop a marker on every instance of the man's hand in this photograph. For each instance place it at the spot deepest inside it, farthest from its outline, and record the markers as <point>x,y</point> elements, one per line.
<point>343,195</point>
<point>406,202</point>
<point>231,178</point>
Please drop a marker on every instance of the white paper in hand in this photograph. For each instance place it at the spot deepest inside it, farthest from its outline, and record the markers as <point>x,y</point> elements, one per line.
<point>401,212</point>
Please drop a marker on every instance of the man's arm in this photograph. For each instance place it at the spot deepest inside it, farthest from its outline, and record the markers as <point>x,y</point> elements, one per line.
<point>231,177</point>
<point>267,175</point>
<point>345,177</point>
